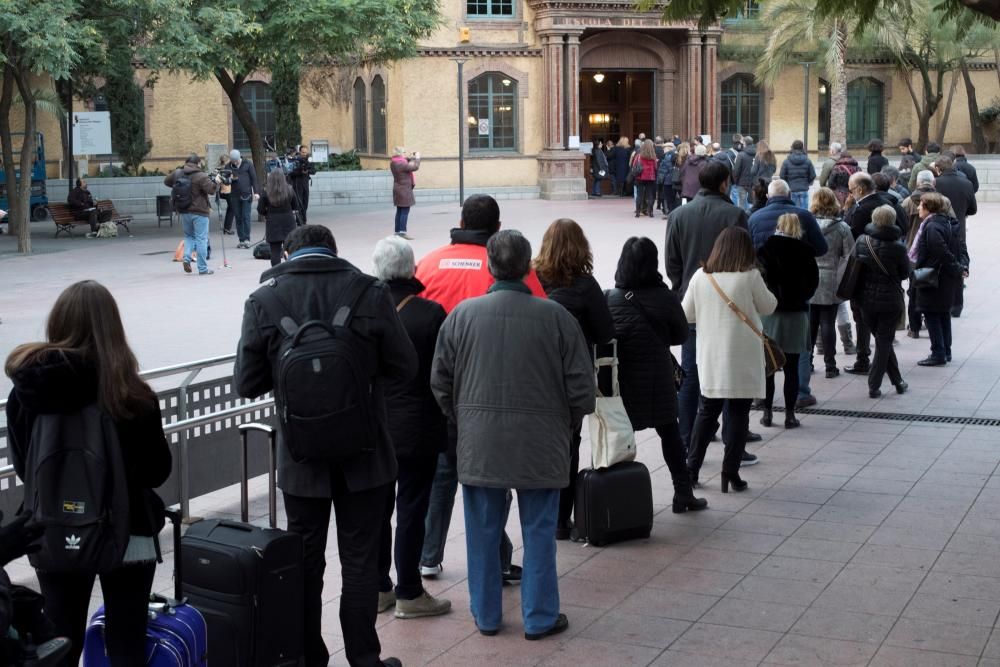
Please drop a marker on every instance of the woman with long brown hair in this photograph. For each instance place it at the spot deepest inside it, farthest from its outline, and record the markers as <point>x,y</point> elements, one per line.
<point>645,181</point>
<point>764,164</point>
<point>85,360</point>
<point>278,203</point>
<point>730,353</point>
<point>565,268</point>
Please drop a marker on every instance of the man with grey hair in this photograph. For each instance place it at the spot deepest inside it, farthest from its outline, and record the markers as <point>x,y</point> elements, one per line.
<point>824,173</point>
<point>419,434</point>
<point>764,222</point>
<point>244,193</point>
<point>895,187</point>
<point>743,175</point>
<point>514,372</point>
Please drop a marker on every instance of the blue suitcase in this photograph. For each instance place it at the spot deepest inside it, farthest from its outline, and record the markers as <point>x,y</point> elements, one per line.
<point>176,634</point>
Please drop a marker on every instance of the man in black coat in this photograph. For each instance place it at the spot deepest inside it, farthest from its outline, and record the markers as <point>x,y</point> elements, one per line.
<point>314,284</point>
<point>960,192</point>
<point>245,192</point>
<point>962,165</point>
<point>862,188</point>
<point>691,233</point>
<point>742,179</point>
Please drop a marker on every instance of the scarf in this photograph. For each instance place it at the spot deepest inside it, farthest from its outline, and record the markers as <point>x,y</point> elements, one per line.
<point>402,160</point>
<point>912,252</point>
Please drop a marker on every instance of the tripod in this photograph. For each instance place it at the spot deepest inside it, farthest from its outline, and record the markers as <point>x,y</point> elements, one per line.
<point>222,232</point>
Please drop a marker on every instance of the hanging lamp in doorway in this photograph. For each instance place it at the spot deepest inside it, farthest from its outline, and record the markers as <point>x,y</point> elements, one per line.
<point>599,77</point>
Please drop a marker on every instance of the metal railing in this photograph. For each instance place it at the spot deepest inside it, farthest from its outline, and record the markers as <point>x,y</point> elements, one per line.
<point>184,424</point>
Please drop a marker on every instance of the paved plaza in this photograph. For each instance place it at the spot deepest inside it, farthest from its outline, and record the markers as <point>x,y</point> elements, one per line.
<point>860,541</point>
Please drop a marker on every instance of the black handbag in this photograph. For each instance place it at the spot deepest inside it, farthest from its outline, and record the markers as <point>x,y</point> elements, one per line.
<point>851,280</point>
<point>679,373</point>
<point>927,277</point>
<point>262,250</point>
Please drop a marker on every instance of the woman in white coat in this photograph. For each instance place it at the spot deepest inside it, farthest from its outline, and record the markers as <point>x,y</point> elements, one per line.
<point>730,354</point>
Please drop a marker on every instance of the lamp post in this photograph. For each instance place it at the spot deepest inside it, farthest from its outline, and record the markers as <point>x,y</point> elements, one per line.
<point>805,100</point>
<point>461,130</point>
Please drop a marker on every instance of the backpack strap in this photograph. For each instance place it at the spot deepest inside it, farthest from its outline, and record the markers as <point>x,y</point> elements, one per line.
<point>275,307</point>
<point>345,313</point>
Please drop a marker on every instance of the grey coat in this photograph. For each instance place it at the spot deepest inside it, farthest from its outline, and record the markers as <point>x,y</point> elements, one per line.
<point>840,243</point>
<point>514,372</point>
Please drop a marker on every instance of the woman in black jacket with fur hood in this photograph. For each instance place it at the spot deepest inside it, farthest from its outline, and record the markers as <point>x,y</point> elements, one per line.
<point>883,255</point>
<point>86,360</point>
<point>648,321</point>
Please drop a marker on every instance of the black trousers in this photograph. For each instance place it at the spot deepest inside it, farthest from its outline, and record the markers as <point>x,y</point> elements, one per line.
<point>90,216</point>
<point>791,385</point>
<point>823,325</point>
<point>567,496</point>
<point>734,431</point>
<point>227,223</point>
<point>359,517</point>
<point>862,334</point>
<point>276,250</point>
<point>913,316</point>
<point>126,596</point>
<point>675,455</point>
<point>410,498</point>
<point>301,187</point>
<point>883,325</point>
<point>647,192</point>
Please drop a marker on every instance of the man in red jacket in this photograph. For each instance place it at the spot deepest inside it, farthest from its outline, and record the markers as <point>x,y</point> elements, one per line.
<point>451,274</point>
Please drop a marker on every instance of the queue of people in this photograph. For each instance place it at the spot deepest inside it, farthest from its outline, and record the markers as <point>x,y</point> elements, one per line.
<point>479,363</point>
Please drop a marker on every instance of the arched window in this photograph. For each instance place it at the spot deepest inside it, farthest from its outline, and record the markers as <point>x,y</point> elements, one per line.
<point>257,96</point>
<point>360,117</point>
<point>741,106</point>
<point>492,113</point>
<point>378,116</point>
<point>864,110</point>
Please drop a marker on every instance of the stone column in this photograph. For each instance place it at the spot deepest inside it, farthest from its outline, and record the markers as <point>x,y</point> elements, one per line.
<point>710,96</point>
<point>552,59</point>
<point>667,121</point>
<point>560,171</point>
<point>692,60</point>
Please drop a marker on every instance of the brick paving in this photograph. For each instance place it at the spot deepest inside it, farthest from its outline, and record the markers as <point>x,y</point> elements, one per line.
<point>860,541</point>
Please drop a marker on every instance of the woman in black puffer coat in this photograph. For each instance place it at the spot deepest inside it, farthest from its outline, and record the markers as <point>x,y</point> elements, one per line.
<point>883,255</point>
<point>85,361</point>
<point>648,320</point>
<point>565,268</point>
<point>936,245</point>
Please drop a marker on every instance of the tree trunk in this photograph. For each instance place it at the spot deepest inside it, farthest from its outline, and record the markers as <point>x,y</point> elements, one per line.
<point>6,147</point>
<point>64,88</point>
<point>943,122</point>
<point>27,161</point>
<point>978,138</point>
<point>233,85</point>
<point>838,87</point>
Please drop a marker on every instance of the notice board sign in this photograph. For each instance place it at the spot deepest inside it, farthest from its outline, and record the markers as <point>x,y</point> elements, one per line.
<point>91,132</point>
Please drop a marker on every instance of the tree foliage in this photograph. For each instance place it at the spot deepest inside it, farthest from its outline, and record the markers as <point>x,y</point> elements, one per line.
<point>231,42</point>
<point>708,12</point>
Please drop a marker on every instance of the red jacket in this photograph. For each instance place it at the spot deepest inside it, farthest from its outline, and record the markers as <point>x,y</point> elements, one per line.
<point>648,170</point>
<point>458,271</point>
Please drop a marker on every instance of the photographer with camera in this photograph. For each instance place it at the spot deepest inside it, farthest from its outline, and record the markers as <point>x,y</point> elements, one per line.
<point>402,167</point>
<point>190,188</point>
<point>300,175</point>
<point>224,191</point>
<point>244,193</point>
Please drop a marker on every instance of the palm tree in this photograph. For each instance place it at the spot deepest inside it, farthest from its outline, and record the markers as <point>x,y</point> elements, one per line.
<point>798,32</point>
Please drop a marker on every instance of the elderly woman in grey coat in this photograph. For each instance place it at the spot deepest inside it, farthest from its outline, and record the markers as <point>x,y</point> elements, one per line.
<point>402,167</point>
<point>824,303</point>
<point>514,372</point>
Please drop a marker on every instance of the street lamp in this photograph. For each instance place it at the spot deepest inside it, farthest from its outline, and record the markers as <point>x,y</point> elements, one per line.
<point>461,130</point>
<point>805,99</point>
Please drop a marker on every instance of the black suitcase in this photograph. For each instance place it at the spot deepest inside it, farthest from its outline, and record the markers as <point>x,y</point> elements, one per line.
<point>247,581</point>
<point>614,504</point>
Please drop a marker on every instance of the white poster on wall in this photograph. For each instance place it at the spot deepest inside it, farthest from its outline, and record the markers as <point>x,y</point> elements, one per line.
<point>484,126</point>
<point>91,132</point>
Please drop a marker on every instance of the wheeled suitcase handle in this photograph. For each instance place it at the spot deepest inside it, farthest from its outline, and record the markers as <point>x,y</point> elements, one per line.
<point>272,492</point>
<point>176,517</point>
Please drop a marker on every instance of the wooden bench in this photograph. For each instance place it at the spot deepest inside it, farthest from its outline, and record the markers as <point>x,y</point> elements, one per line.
<point>62,215</point>
<point>106,205</point>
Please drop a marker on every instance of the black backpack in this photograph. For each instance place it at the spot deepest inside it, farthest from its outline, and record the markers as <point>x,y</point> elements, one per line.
<point>75,486</point>
<point>323,383</point>
<point>182,192</point>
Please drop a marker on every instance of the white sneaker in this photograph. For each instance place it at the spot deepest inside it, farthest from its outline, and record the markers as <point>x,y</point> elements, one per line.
<point>431,571</point>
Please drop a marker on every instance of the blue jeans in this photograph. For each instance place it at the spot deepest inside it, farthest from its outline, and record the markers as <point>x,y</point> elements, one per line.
<point>939,329</point>
<point>690,391</point>
<point>241,214</point>
<point>485,517</point>
<point>402,214</point>
<point>438,518</point>
<point>738,195</point>
<point>196,238</point>
<point>801,199</point>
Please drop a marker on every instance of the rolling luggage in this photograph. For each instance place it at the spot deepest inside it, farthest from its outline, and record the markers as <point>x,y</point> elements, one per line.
<point>247,581</point>
<point>614,504</point>
<point>176,635</point>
